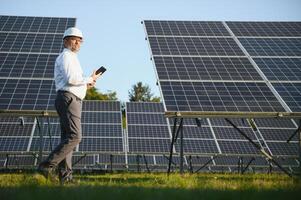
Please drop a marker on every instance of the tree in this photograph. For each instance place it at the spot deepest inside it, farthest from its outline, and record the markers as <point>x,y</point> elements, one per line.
<point>141,92</point>
<point>93,94</point>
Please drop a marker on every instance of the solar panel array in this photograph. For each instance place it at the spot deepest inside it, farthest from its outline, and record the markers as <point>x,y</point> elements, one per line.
<point>233,67</point>
<point>28,48</point>
<point>201,66</point>
<point>227,66</point>
<point>101,128</point>
<point>148,135</point>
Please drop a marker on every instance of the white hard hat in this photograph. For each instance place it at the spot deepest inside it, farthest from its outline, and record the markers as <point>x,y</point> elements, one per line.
<point>72,31</point>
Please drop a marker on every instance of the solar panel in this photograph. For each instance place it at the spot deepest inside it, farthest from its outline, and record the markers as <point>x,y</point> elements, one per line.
<point>98,144</point>
<point>194,46</point>
<point>283,148</point>
<point>194,146</point>
<point>35,24</point>
<point>266,29</point>
<point>148,131</point>
<point>231,134</point>
<point>144,107</point>
<point>185,28</point>
<point>205,68</point>
<point>280,69</point>
<point>273,134</point>
<point>219,96</point>
<point>291,94</point>
<point>27,94</point>
<point>47,144</point>
<point>196,72</point>
<point>237,147</point>
<point>26,65</point>
<point>154,145</point>
<point>28,49</point>
<point>194,132</point>
<point>101,129</point>
<point>14,144</point>
<point>272,46</point>
<point>31,42</point>
<point>111,106</point>
<point>247,67</point>
<point>21,161</point>
<point>277,123</point>
<point>12,126</point>
<point>147,128</point>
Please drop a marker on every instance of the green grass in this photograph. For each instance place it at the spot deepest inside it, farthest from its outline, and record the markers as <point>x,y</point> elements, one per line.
<point>152,186</point>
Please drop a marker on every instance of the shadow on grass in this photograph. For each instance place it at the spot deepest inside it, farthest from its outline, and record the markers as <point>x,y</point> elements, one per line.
<point>130,193</point>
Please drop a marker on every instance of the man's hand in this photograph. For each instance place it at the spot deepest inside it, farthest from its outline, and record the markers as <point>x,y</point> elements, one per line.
<point>95,76</point>
<point>90,85</point>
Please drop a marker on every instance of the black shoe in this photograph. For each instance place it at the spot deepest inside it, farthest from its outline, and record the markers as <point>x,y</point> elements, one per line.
<point>65,177</point>
<point>45,169</point>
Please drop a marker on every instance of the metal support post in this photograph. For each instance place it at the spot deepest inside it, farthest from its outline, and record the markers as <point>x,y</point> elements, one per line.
<point>181,151</point>
<point>111,162</point>
<point>267,155</point>
<point>175,133</point>
<point>249,163</point>
<point>40,127</point>
<point>138,163</point>
<point>209,161</point>
<point>146,164</point>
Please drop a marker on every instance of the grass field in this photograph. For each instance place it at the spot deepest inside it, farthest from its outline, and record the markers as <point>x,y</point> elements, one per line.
<point>152,186</point>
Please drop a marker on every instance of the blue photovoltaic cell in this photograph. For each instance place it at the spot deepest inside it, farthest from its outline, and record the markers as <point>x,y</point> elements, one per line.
<point>198,146</point>
<point>219,96</point>
<point>194,46</point>
<point>149,145</point>
<point>291,94</point>
<point>273,134</point>
<point>27,94</point>
<point>205,68</point>
<point>185,28</point>
<point>237,147</point>
<point>26,65</point>
<point>144,107</point>
<point>31,42</point>
<point>232,134</point>
<point>35,24</point>
<point>28,49</point>
<point>101,145</point>
<point>155,131</point>
<point>147,128</point>
<point>283,148</point>
<point>194,132</point>
<point>280,69</point>
<point>14,144</point>
<point>46,144</point>
<point>266,29</point>
<point>101,106</point>
<point>272,46</point>
<point>101,117</point>
<point>146,118</point>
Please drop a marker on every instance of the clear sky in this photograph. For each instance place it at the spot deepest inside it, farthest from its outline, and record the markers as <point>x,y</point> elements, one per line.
<point>115,38</point>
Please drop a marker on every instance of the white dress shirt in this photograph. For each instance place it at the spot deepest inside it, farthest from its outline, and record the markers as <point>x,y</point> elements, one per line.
<point>68,74</point>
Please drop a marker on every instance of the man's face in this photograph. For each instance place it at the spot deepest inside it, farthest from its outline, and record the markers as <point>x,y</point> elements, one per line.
<point>73,43</point>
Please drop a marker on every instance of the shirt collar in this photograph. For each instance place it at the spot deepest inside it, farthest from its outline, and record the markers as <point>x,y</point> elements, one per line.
<point>68,50</point>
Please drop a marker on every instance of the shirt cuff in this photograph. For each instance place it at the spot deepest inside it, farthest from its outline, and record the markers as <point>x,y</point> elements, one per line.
<point>89,80</point>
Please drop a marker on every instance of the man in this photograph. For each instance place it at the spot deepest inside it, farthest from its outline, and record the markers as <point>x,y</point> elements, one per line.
<point>71,89</point>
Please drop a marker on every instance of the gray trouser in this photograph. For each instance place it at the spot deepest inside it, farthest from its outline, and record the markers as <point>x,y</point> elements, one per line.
<point>69,108</point>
